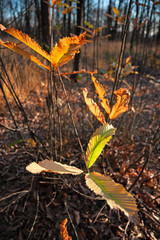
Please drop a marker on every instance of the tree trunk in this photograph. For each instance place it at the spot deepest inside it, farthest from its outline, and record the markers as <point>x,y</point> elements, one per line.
<point>45,24</point>
<point>80,15</point>
<point>37,11</point>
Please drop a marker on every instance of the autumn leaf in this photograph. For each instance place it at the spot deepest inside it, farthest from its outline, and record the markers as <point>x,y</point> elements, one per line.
<point>26,40</point>
<point>50,166</point>
<point>63,231</point>
<point>65,50</point>
<point>114,193</point>
<point>122,100</point>
<point>31,142</point>
<point>16,48</point>
<point>97,142</point>
<point>93,107</point>
<point>116,11</point>
<point>128,60</point>
<point>101,93</point>
<point>68,10</point>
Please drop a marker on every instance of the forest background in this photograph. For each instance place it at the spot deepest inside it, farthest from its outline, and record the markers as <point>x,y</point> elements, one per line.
<point>39,120</point>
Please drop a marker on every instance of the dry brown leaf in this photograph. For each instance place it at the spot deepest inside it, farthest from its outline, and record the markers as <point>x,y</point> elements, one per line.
<point>50,166</point>
<point>122,100</point>
<point>93,107</point>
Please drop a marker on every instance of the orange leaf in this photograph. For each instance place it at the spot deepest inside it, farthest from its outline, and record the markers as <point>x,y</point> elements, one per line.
<point>93,107</point>
<point>65,50</point>
<point>26,40</point>
<point>116,11</point>
<point>122,100</point>
<point>121,19</point>
<point>128,60</point>
<point>67,10</point>
<point>54,2</point>
<point>16,48</point>
<point>63,230</point>
<point>101,93</point>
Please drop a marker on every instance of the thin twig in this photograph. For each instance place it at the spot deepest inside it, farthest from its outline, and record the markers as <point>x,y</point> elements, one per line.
<point>71,113</point>
<point>65,203</point>
<point>125,230</point>
<point>100,212</point>
<point>118,72</point>
<point>144,165</point>
<point>21,195</point>
<point>35,219</point>
<point>13,194</point>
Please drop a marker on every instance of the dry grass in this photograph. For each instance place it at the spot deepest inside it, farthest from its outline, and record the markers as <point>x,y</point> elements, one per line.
<point>26,76</point>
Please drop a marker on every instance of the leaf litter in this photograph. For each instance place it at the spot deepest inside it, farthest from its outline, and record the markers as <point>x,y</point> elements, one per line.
<point>123,152</point>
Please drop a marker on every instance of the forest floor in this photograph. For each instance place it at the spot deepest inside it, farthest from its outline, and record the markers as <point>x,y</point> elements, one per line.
<point>34,206</point>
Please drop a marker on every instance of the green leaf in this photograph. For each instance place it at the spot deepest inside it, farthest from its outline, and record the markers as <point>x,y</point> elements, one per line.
<point>88,25</point>
<point>15,143</point>
<point>97,142</point>
<point>114,193</point>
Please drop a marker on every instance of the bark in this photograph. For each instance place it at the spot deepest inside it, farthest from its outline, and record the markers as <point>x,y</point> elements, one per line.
<point>80,15</point>
<point>45,24</point>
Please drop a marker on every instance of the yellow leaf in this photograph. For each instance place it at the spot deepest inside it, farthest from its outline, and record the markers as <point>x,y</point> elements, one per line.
<point>116,11</point>
<point>31,142</point>
<point>15,47</point>
<point>93,107</point>
<point>65,50</point>
<point>63,231</point>
<point>101,93</point>
<point>122,100</point>
<point>50,166</point>
<point>114,193</point>
<point>26,40</point>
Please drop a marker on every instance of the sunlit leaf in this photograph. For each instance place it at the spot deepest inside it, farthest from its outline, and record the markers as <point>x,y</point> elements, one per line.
<point>116,11</point>
<point>93,107</point>
<point>89,25</point>
<point>121,19</point>
<point>63,231</point>
<point>31,142</point>
<point>16,48</point>
<point>65,50</point>
<point>101,93</point>
<point>122,100</point>
<point>68,10</point>
<point>54,2</point>
<point>97,142</point>
<point>50,166</point>
<point>128,59</point>
<point>26,40</point>
<point>114,193</point>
